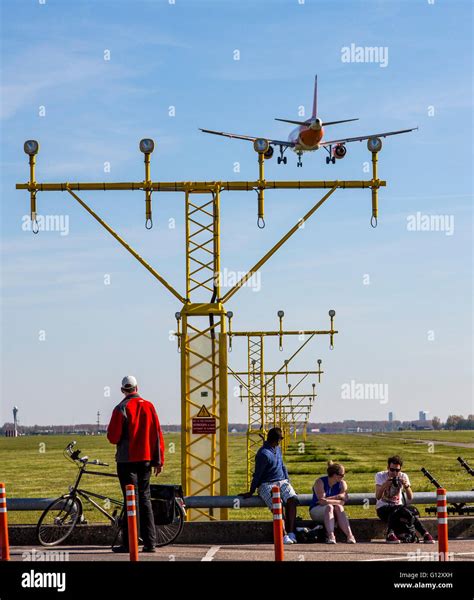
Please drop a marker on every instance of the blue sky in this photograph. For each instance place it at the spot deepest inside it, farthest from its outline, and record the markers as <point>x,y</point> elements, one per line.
<point>410,328</point>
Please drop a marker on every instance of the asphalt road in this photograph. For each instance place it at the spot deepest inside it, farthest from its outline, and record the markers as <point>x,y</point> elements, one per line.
<point>462,550</point>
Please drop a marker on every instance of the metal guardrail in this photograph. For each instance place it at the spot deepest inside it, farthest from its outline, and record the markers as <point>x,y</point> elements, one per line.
<point>305,500</point>
<point>28,503</point>
<point>256,501</point>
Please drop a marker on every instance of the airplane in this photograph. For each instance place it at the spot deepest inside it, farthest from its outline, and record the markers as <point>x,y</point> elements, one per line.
<point>308,136</point>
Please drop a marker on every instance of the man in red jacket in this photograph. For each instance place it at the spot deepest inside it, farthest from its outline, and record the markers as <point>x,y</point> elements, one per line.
<point>135,429</point>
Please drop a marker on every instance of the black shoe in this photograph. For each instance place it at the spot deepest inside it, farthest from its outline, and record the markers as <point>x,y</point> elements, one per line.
<point>149,549</point>
<point>120,549</point>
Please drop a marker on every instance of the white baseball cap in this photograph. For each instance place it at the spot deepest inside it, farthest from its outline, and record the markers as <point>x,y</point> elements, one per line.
<point>129,382</point>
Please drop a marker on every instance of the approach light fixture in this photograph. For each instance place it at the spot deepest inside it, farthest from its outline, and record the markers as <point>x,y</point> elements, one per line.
<point>147,146</point>
<point>229,314</point>
<point>374,144</point>
<point>31,147</point>
<point>261,145</point>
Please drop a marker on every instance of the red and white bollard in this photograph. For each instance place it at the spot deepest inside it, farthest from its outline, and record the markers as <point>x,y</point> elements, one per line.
<point>132,522</point>
<point>442,513</point>
<point>277,523</point>
<point>4,544</point>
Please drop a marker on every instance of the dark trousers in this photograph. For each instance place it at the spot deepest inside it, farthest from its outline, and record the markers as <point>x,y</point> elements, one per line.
<point>138,474</point>
<point>385,513</point>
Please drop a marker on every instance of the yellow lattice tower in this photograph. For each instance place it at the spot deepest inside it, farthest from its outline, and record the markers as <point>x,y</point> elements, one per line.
<point>203,356</point>
<point>256,430</point>
<point>267,409</point>
<point>271,416</point>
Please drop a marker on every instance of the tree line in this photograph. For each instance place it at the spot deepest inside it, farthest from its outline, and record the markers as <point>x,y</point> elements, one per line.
<point>454,422</point>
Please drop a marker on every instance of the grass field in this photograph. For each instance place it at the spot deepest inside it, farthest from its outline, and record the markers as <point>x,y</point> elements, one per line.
<point>464,437</point>
<point>35,466</point>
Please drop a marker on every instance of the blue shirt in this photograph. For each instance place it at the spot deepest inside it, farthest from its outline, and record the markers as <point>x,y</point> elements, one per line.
<point>269,466</point>
<point>332,490</point>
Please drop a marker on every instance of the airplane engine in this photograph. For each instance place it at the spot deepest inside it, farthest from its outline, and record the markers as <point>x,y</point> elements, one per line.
<point>269,152</point>
<point>340,151</point>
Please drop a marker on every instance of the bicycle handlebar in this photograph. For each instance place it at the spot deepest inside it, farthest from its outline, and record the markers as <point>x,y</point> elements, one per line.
<point>75,456</point>
<point>97,462</point>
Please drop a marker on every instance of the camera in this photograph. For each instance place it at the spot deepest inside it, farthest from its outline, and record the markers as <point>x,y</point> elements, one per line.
<point>397,482</point>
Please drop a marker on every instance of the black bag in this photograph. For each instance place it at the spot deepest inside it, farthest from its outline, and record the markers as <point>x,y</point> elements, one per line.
<point>403,521</point>
<point>310,536</point>
<point>163,502</point>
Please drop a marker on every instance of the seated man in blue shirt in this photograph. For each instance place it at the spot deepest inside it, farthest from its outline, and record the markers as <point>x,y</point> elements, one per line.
<point>270,471</point>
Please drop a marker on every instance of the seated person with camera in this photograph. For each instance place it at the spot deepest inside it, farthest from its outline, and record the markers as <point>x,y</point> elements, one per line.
<point>389,487</point>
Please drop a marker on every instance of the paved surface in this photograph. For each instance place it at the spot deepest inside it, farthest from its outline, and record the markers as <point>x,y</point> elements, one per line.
<point>462,550</point>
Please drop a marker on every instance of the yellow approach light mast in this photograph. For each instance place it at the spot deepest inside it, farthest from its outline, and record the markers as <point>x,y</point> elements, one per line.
<point>266,408</point>
<point>201,331</point>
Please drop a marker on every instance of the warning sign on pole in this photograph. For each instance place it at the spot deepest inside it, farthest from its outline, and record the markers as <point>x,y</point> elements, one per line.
<point>203,423</point>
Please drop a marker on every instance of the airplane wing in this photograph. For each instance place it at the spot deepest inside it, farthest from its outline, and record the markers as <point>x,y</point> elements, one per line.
<point>249,138</point>
<point>361,138</point>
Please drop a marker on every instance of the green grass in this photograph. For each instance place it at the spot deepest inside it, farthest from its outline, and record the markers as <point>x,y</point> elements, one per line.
<point>35,467</point>
<point>465,437</point>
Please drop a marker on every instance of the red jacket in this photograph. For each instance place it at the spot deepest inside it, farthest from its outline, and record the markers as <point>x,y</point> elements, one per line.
<point>135,428</point>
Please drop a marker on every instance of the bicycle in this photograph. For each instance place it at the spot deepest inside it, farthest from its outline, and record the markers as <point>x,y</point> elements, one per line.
<point>59,519</point>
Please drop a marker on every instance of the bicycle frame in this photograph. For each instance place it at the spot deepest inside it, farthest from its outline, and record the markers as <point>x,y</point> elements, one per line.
<point>75,490</point>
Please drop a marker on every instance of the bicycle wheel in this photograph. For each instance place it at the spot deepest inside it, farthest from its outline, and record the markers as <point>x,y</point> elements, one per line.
<point>58,520</point>
<point>116,526</point>
<point>166,534</point>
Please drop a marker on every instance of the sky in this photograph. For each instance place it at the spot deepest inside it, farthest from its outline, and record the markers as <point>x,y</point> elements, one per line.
<point>89,79</point>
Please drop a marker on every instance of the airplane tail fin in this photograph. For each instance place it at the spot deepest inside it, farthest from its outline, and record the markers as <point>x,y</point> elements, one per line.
<point>315,97</point>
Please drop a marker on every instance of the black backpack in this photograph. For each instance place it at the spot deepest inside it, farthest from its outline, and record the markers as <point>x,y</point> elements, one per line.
<point>403,521</point>
<point>311,536</point>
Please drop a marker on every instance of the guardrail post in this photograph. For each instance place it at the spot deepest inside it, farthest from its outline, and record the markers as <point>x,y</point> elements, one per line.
<point>132,522</point>
<point>4,544</point>
<point>277,523</point>
<point>442,514</point>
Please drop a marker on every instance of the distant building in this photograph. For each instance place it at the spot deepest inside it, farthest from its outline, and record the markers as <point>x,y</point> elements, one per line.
<point>390,417</point>
<point>422,415</point>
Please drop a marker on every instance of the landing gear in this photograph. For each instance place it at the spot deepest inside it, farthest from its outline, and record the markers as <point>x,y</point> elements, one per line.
<point>300,162</point>
<point>281,158</point>
<point>330,158</point>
